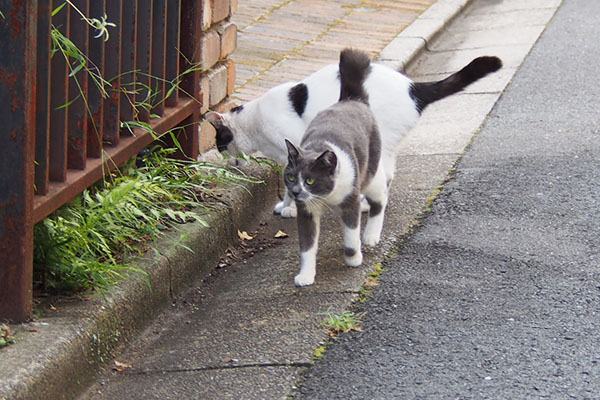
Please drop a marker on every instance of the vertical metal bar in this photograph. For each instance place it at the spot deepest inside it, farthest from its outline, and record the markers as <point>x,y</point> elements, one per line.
<point>128,30</point>
<point>77,113</point>
<point>17,96</point>
<point>190,32</point>
<point>142,61</point>
<point>96,86</point>
<point>59,88</point>
<point>42,146</point>
<point>172,49</point>
<point>188,137</point>
<point>157,69</point>
<point>112,70</point>
<point>191,29</point>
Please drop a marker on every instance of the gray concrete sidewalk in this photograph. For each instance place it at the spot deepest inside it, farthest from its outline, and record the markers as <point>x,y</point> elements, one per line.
<point>245,331</point>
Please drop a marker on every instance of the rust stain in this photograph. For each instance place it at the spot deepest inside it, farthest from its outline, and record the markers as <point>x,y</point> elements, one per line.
<point>76,143</point>
<point>14,134</point>
<point>8,78</point>
<point>15,104</point>
<point>16,24</point>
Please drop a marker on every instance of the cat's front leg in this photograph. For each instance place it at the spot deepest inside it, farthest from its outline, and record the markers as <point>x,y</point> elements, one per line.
<point>308,236</point>
<point>351,210</point>
<point>286,208</point>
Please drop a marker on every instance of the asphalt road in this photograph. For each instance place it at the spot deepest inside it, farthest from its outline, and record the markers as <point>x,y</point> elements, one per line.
<point>497,294</point>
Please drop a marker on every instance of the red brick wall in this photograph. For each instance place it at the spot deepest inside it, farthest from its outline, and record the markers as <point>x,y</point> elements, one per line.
<point>218,41</point>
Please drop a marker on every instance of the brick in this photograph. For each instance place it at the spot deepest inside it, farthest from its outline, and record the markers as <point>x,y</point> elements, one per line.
<point>206,14</point>
<point>207,136</point>
<point>226,105</point>
<point>210,49</point>
<point>221,9</point>
<point>205,93</point>
<point>228,34</point>
<point>218,84</point>
<point>230,77</point>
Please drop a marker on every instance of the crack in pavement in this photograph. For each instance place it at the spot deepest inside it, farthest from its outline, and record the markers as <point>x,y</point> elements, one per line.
<point>222,367</point>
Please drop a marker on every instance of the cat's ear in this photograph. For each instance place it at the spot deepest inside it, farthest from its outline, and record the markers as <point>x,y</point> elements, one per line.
<point>215,118</point>
<point>293,152</point>
<point>327,161</point>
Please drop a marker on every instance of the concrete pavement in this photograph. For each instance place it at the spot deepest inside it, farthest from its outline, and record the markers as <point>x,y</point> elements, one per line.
<point>244,331</point>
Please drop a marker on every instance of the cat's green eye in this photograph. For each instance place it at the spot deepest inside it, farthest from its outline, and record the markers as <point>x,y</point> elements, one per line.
<point>310,181</point>
<point>291,177</point>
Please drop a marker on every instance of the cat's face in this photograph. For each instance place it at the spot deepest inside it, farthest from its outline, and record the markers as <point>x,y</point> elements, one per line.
<point>225,130</point>
<point>309,177</point>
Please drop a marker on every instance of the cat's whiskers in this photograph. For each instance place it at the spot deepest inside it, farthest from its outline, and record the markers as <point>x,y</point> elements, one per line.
<point>316,203</point>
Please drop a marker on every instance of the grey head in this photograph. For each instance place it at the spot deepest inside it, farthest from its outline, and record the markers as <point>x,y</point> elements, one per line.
<point>309,176</point>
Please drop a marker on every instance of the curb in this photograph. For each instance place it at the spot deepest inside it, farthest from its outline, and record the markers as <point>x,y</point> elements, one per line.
<point>64,353</point>
<point>60,359</point>
<point>407,46</point>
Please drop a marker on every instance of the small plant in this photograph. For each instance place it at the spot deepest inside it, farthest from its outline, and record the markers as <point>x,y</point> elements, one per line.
<point>319,352</point>
<point>83,245</point>
<point>432,197</point>
<point>363,293</point>
<point>346,322</point>
<point>373,277</point>
<point>371,281</point>
<point>5,336</point>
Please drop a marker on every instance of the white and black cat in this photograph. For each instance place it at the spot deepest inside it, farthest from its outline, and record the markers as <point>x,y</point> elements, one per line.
<point>286,110</point>
<point>338,159</point>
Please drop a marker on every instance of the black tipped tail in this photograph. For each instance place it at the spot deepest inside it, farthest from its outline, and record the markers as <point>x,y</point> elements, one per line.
<point>425,93</point>
<point>355,65</point>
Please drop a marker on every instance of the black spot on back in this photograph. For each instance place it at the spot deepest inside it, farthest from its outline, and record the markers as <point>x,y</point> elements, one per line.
<point>298,96</point>
<point>237,109</point>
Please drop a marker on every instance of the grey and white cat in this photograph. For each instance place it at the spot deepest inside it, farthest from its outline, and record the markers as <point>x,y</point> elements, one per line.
<point>338,159</point>
<point>286,110</point>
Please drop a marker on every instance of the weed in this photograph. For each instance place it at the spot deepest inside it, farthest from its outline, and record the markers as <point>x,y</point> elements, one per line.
<point>432,198</point>
<point>371,281</point>
<point>319,352</point>
<point>83,244</point>
<point>345,322</point>
<point>6,337</point>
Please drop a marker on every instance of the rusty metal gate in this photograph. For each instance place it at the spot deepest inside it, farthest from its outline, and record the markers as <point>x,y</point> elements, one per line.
<point>58,134</point>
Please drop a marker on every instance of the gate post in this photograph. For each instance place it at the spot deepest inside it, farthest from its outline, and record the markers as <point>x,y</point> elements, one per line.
<point>17,132</point>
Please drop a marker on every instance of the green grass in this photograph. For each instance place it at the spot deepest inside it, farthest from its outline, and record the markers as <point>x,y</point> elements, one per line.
<point>342,323</point>
<point>82,246</point>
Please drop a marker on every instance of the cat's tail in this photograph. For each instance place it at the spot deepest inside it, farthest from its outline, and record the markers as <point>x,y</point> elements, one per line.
<point>425,93</point>
<point>355,65</point>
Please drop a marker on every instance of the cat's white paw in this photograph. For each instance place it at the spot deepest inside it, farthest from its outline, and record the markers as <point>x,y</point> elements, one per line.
<point>278,208</point>
<point>355,260</point>
<point>289,212</point>
<point>371,239</point>
<point>304,279</point>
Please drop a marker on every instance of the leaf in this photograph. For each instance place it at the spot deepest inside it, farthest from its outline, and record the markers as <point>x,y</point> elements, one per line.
<point>120,367</point>
<point>281,235</point>
<point>244,235</point>
<point>57,9</point>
